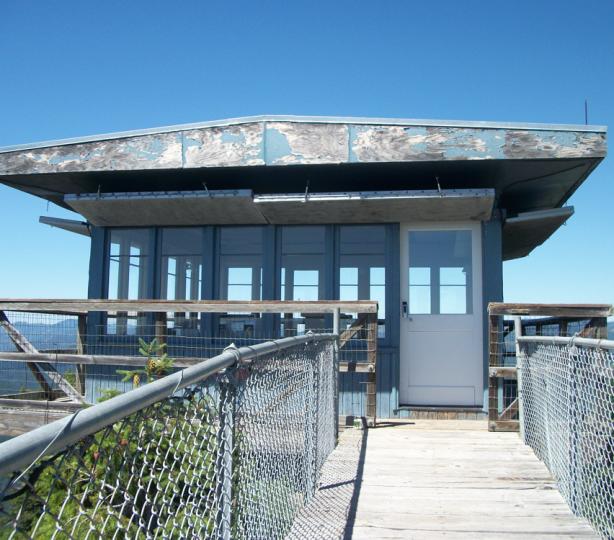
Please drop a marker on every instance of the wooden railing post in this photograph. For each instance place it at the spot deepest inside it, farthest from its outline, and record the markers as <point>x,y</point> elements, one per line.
<point>81,372</point>
<point>160,329</point>
<point>493,361</point>
<point>371,386</point>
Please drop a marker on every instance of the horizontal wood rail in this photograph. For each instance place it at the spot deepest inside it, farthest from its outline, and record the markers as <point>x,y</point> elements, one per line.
<point>78,307</point>
<point>551,310</point>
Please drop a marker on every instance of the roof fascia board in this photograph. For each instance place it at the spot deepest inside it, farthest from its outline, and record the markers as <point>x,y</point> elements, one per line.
<point>309,119</point>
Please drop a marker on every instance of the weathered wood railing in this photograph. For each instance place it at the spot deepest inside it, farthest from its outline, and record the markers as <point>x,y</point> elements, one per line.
<point>43,363</point>
<point>505,320</point>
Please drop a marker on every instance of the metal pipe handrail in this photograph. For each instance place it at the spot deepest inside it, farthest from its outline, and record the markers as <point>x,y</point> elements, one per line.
<point>21,451</point>
<point>587,342</point>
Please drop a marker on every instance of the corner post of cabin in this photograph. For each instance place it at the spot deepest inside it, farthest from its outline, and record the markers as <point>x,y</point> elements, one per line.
<point>80,370</point>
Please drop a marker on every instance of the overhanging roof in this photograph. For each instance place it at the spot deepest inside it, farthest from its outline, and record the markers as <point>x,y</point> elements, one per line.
<point>523,233</point>
<point>530,167</point>
<point>231,207</point>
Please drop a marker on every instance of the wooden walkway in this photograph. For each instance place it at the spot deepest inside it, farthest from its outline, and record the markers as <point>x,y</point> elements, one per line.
<point>436,479</point>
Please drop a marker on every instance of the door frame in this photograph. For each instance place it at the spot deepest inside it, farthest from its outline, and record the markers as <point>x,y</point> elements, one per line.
<point>477,271</point>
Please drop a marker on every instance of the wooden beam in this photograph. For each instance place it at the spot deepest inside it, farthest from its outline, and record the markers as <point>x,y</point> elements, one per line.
<point>350,332</point>
<point>504,425</point>
<point>509,410</point>
<point>22,344</point>
<point>81,370</point>
<point>92,359</point>
<point>356,367</point>
<point>35,404</point>
<point>186,306</point>
<point>504,372</point>
<point>551,310</point>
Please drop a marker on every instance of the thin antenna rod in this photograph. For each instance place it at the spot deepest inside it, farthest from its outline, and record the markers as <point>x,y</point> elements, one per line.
<point>586,112</point>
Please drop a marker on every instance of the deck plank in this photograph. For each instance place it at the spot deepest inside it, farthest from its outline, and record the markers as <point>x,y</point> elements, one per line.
<point>430,479</point>
<point>435,479</point>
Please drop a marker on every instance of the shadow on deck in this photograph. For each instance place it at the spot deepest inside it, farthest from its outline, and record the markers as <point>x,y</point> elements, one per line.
<point>429,479</point>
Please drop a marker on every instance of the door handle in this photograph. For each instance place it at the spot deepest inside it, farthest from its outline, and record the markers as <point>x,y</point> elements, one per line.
<point>404,309</point>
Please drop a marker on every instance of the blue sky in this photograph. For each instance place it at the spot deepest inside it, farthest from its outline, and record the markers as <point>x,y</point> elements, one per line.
<point>78,68</point>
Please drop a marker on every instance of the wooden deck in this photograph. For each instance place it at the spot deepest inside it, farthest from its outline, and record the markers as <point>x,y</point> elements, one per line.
<point>435,479</point>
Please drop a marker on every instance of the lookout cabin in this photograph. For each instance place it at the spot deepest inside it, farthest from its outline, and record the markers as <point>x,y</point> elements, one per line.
<point>418,215</point>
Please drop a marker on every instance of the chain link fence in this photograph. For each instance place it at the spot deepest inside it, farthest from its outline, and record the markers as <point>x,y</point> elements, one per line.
<point>229,448</point>
<point>566,388</point>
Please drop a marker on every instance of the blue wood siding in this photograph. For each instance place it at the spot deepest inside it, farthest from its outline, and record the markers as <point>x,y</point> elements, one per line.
<point>352,398</point>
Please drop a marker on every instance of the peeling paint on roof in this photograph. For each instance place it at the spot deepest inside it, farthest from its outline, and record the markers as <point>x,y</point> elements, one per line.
<point>280,143</point>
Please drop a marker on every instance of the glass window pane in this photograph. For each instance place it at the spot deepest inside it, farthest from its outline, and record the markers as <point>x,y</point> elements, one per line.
<point>378,293</point>
<point>239,292</point>
<point>240,276</point>
<point>305,294</point>
<point>377,276</point>
<point>419,299</point>
<point>348,292</point>
<point>362,240</point>
<point>419,276</point>
<point>362,274</point>
<point>306,277</point>
<point>348,276</point>
<point>452,276</point>
<point>241,241</point>
<point>453,299</point>
<point>128,262</point>
<point>113,281</point>
<point>127,276</point>
<point>182,241</point>
<point>122,240</point>
<point>181,269</point>
<point>302,270</point>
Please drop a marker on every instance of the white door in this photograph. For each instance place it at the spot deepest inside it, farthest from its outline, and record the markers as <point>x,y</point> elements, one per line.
<point>441,315</point>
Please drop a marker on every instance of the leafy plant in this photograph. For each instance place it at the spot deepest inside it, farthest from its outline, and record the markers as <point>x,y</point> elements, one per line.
<point>158,363</point>
<point>108,393</point>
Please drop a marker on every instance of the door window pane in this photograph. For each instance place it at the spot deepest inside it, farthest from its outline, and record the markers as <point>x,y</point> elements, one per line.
<point>440,272</point>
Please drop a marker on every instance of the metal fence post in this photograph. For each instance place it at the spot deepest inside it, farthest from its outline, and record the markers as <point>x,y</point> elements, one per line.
<point>335,369</point>
<point>310,413</point>
<point>518,334</point>
<point>225,447</point>
<point>573,430</point>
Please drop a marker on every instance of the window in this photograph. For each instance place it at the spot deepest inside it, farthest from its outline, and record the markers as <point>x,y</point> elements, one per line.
<point>181,274</point>
<point>362,271</point>
<point>440,272</point>
<point>302,275</point>
<point>240,277</point>
<point>127,276</point>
